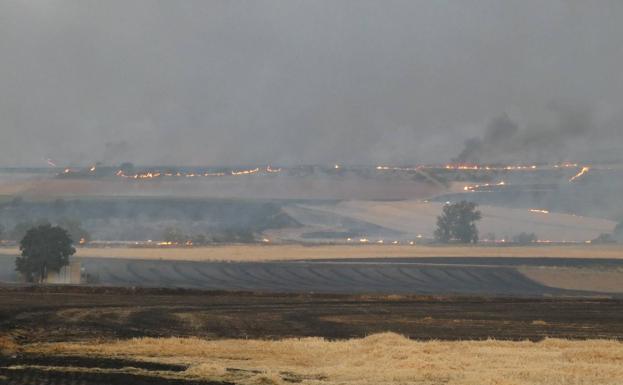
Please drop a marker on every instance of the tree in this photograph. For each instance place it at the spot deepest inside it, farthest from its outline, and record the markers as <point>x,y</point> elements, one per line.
<point>604,238</point>
<point>44,248</point>
<point>524,238</point>
<point>457,223</point>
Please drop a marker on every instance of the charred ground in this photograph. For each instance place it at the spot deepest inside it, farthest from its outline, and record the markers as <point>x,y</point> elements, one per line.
<point>38,314</point>
<point>30,315</point>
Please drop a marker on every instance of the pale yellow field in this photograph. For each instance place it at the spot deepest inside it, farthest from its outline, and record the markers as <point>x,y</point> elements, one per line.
<point>591,279</point>
<point>295,252</point>
<point>292,252</point>
<point>378,359</point>
<point>415,217</point>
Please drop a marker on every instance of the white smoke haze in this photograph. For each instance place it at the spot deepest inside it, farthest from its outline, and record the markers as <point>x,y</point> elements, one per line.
<point>302,82</point>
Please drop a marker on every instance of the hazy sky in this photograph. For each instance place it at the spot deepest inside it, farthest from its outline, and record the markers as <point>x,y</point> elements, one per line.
<point>291,82</point>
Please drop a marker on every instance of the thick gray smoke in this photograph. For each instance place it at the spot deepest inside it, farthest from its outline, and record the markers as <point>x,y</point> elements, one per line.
<point>211,82</point>
<point>499,135</point>
<point>504,141</point>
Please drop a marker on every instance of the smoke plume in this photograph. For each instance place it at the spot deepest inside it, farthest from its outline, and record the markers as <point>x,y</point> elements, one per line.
<point>504,141</point>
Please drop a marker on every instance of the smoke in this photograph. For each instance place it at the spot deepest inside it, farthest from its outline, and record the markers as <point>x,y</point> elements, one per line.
<point>303,82</point>
<point>117,151</point>
<point>499,135</point>
<point>570,124</point>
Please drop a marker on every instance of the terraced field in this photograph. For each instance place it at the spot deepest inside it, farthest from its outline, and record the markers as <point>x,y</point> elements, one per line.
<point>485,276</point>
<point>439,275</point>
<point>337,277</point>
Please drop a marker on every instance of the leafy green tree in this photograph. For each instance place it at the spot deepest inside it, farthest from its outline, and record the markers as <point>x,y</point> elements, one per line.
<point>44,248</point>
<point>457,223</point>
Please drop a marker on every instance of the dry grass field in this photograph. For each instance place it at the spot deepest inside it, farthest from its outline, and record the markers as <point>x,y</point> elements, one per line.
<point>593,279</point>
<point>241,188</point>
<point>253,253</point>
<point>419,217</point>
<point>107,336</point>
<point>385,358</point>
<point>296,252</point>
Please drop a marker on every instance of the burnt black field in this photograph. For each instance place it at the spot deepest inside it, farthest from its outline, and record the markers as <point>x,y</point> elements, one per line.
<point>40,314</point>
<point>53,314</point>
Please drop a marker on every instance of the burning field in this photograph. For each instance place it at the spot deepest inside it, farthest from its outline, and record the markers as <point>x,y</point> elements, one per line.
<point>310,182</point>
<point>558,202</point>
<point>319,192</point>
<point>417,219</point>
<point>338,284</point>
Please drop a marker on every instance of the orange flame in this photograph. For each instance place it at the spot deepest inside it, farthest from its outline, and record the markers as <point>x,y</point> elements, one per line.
<point>582,172</point>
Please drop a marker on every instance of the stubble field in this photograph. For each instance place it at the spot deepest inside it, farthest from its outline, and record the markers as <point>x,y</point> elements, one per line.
<point>385,358</point>
<point>252,253</point>
<point>97,336</point>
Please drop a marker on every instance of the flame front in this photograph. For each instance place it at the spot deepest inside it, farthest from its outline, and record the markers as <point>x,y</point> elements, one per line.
<point>246,172</point>
<point>539,211</point>
<point>478,186</point>
<point>582,172</point>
